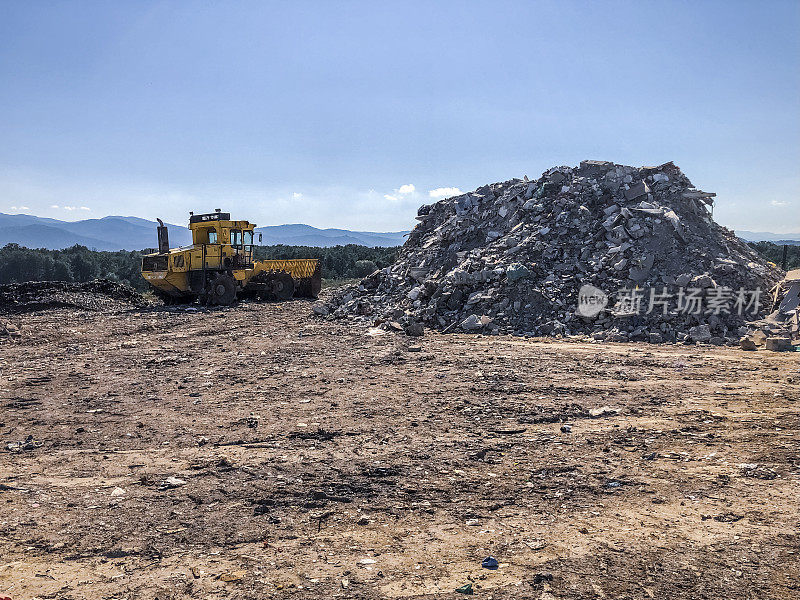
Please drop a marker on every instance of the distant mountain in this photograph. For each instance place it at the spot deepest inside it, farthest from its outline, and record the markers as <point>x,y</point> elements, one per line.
<point>765,236</point>
<point>134,233</point>
<point>34,236</point>
<point>305,235</point>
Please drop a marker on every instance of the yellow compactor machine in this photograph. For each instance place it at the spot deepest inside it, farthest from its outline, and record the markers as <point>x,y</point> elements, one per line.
<point>220,266</point>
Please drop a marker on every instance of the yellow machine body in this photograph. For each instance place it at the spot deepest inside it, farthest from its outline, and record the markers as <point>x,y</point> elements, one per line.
<point>220,266</point>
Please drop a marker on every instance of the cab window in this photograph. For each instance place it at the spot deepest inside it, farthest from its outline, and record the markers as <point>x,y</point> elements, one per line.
<point>248,238</point>
<point>212,236</point>
<point>236,238</point>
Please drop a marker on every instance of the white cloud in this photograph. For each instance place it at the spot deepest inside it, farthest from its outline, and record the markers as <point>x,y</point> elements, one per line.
<point>20,208</point>
<point>85,208</point>
<point>69,207</point>
<point>407,188</point>
<point>297,195</point>
<point>54,206</point>
<point>390,198</point>
<point>779,203</point>
<point>445,192</point>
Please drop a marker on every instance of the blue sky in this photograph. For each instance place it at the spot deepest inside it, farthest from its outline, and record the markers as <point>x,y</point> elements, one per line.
<point>349,114</point>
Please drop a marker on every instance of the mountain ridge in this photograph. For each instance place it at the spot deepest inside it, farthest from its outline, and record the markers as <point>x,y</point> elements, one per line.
<point>766,236</point>
<point>116,232</point>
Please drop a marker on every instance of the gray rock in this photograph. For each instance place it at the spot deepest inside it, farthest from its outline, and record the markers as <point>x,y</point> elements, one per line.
<point>172,482</point>
<point>320,309</point>
<point>637,191</point>
<point>702,281</point>
<point>778,344</point>
<point>415,329</point>
<point>700,333</point>
<point>747,344</point>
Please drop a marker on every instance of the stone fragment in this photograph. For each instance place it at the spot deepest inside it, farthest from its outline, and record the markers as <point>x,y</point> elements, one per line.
<point>702,281</point>
<point>517,271</point>
<point>778,344</point>
<point>747,344</point>
<point>637,191</point>
<point>700,333</point>
<point>415,329</point>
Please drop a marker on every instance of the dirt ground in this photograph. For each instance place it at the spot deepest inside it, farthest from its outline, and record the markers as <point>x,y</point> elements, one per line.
<point>312,459</point>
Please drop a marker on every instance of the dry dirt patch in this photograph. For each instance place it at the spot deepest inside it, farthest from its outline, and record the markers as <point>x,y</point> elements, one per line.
<point>257,452</point>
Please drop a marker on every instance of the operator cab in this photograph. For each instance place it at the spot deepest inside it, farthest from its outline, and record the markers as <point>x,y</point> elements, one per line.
<point>217,229</point>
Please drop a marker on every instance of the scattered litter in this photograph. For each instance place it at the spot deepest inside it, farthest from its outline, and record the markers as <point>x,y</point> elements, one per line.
<point>490,562</point>
<point>757,472</point>
<point>172,482</point>
<point>465,589</point>
<point>28,444</point>
<point>603,411</point>
<point>535,544</point>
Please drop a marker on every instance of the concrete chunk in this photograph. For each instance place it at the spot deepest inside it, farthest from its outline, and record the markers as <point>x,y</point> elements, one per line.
<point>637,191</point>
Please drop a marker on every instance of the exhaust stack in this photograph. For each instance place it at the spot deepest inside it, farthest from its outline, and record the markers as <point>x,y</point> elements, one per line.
<point>163,238</point>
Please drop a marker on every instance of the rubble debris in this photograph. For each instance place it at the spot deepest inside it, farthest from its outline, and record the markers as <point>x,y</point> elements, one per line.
<point>415,329</point>
<point>320,309</point>
<point>231,576</point>
<point>97,295</point>
<point>603,411</point>
<point>25,445</point>
<point>9,329</point>
<point>748,344</point>
<point>171,483</point>
<point>780,330</point>
<point>465,589</point>
<point>757,472</point>
<point>511,258</point>
<point>778,344</point>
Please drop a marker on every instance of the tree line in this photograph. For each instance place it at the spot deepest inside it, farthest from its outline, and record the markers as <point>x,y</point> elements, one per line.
<point>774,253</point>
<point>79,264</point>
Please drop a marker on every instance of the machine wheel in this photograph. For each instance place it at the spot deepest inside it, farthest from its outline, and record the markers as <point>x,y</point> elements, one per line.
<point>222,290</point>
<point>282,286</point>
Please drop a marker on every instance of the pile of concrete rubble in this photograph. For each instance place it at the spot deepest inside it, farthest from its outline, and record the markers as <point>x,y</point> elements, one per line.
<point>100,294</point>
<point>636,247</point>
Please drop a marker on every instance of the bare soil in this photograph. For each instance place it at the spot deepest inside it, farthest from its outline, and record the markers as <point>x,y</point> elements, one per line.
<point>322,460</point>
